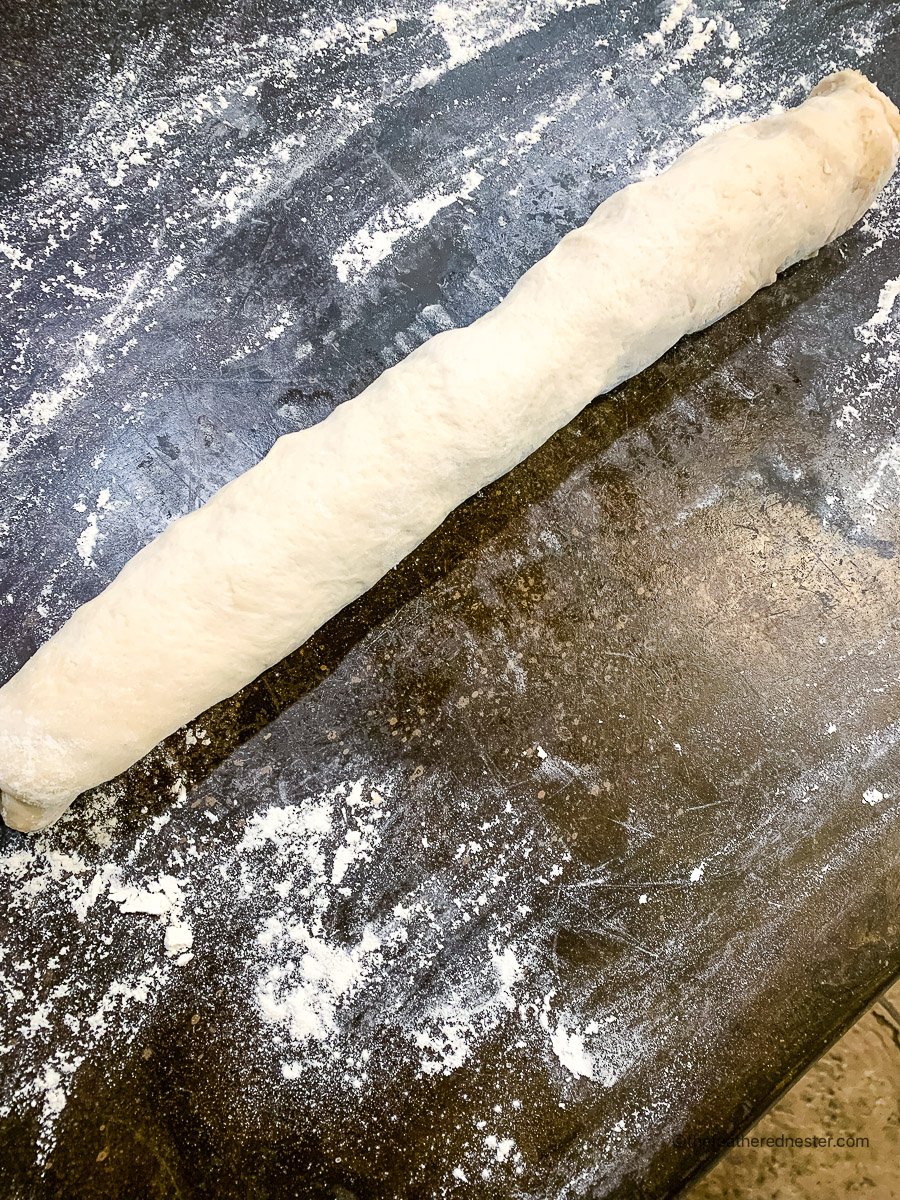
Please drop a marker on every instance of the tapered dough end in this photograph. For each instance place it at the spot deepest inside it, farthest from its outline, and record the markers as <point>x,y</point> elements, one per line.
<point>28,818</point>
<point>856,79</point>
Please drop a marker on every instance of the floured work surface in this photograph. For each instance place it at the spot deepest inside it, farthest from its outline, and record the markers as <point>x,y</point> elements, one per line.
<point>543,866</point>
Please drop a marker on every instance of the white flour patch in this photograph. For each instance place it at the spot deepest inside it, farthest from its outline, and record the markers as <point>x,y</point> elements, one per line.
<point>306,995</point>
<point>471,28</point>
<point>87,541</point>
<point>701,30</point>
<point>304,975</point>
<point>161,897</point>
<point>308,983</point>
<point>453,1029</point>
<point>527,138</point>
<point>135,145</point>
<point>56,1026</point>
<point>887,463</point>
<point>272,332</point>
<point>887,299</point>
<point>593,1052</point>
<point>569,1049</point>
<point>376,239</point>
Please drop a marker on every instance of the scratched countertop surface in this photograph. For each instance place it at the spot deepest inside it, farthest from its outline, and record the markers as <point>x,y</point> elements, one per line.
<point>544,867</point>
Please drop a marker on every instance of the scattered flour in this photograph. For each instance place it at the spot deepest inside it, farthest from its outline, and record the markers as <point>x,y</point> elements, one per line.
<point>569,1049</point>
<point>887,299</point>
<point>376,239</point>
<point>887,463</point>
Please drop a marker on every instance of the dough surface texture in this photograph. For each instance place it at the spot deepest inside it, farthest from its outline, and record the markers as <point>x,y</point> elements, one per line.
<point>230,589</point>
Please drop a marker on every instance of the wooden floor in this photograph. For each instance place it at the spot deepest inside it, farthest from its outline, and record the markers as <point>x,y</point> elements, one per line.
<point>854,1091</point>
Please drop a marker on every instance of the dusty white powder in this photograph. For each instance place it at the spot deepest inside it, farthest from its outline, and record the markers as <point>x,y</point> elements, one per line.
<point>502,1147</point>
<point>887,299</point>
<point>886,464</point>
<point>470,28</point>
<point>570,1050</point>
<point>377,238</point>
<point>307,994</point>
<point>70,872</point>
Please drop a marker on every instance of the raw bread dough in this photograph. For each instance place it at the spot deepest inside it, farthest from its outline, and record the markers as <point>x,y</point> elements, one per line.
<point>230,589</point>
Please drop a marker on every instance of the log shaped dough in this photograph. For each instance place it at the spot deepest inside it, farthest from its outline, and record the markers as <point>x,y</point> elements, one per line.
<point>230,589</point>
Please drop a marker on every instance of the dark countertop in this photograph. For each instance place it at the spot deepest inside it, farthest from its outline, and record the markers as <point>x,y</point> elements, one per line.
<point>544,867</point>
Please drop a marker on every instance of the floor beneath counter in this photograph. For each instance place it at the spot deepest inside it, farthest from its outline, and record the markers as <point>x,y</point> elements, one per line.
<point>852,1091</point>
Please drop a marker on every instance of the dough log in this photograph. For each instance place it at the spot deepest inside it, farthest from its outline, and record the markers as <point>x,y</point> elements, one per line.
<point>230,589</point>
